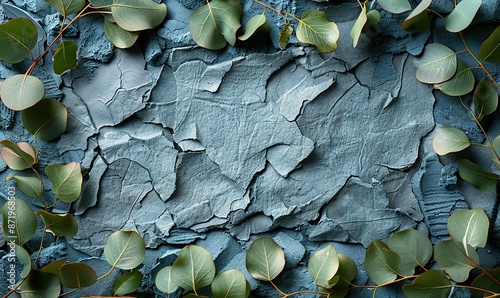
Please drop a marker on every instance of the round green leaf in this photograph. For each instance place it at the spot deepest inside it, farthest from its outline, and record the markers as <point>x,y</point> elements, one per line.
<point>67,7</point>
<point>496,147</point>
<point>381,264</point>
<point>40,284</point>
<point>487,281</point>
<point>127,283</point>
<point>418,20</point>
<point>413,248</point>
<point>395,6</point>
<point>59,224</point>
<point>17,38</point>
<point>18,156</point>
<point>256,23</point>
<point>469,227</point>
<point>24,258</point>
<point>463,14</point>
<point>436,65</point>
<point>452,260</point>
<point>193,269</point>
<point>214,24</point>
<point>432,283</point>
<point>323,266</point>
<point>359,25</point>
<point>53,267</point>
<point>65,57</point>
<point>490,48</point>
<point>461,83</point>
<point>77,275</point>
<point>119,37</point>
<point>125,250</point>
<point>66,180</point>
<point>479,178</point>
<point>164,282</point>
<point>265,259</point>
<point>373,18</point>
<point>230,284</point>
<point>20,92</point>
<point>285,34</point>
<point>137,15</point>
<point>485,98</point>
<point>30,186</point>
<point>448,139</point>
<point>18,221</point>
<point>47,125</point>
<point>346,273</point>
<point>314,28</point>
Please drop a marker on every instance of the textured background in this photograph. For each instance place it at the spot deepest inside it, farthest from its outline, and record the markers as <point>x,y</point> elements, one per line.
<point>216,148</point>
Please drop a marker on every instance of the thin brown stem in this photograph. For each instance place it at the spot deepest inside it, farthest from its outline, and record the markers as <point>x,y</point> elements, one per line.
<point>278,289</point>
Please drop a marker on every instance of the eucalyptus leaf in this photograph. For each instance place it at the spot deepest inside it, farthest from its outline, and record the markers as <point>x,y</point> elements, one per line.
<point>432,283</point>
<point>127,283</point>
<point>230,284</point>
<point>18,221</point>
<point>395,6</point>
<point>461,83</point>
<point>30,186</point>
<point>138,15</point>
<point>164,282</point>
<point>485,98</point>
<point>323,266</point>
<point>490,48</point>
<point>346,273</point>
<point>193,269</point>
<point>40,284</point>
<point>20,92</point>
<point>77,275</point>
<point>315,28</point>
<point>359,25</point>
<point>479,178</point>
<point>66,180</point>
<point>453,260</point>
<point>418,20</point>
<point>285,34</point>
<point>265,259</point>
<point>18,156</point>
<point>381,264</point>
<point>373,18</point>
<point>413,248</point>
<point>59,224</point>
<point>488,281</point>
<point>449,139</point>
<point>462,15</point>
<point>469,227</point>
<point>67,7</point>
<point>118,36</point>
<point>496,149</point>
<point>65,57</point>
<point>47,125</point>
<point>17,38</point>
<point>436,65</point>
<point>214,24</point>
<point>257,23</point>
<point>24,258</point>
<point>53,267</point>
<point>125,250</point>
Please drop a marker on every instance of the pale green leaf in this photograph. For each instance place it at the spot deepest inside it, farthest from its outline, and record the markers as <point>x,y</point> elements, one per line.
<point>285,34</point>
<point>315,28</point>
<point>488,281</point>
<point>453,260</point>
<point>18,221</point>
<point>413,248</point>
<point>395,6</point>
<point>118,36</point>
<point>214,24</point>
<point>373,18</point>
<point>359,25</point>
<point>469,227</point>
<point>17,38</point>
<point>77,275</point>
<point>265,259</point>
<point>258,23</point>
<point>463,14</point>
<point>30,186</point>
<point>65,57</point>
<point>18,156</point>
<point>323,266</point>
<point>24,258</point>
<point>164,282</point>
<point>194,268</point>
<point>461,83</point>
<point>479,178</point>
<point>125,250</point>
<point>53,267</point>
<point>67,7</point>
<point>20,92</point>
<point>431,284</point>
<point>490,48</point>
<point>496,149</point>
<point>485,98</point>
<point>47,125</point>
<point>40,284</point>
<point>66,180</point>
<point>346,273</point>
<point>381,264</point>
<point>436,65</point>
<point>230,284</point>
<point>418,20</point>
<point>59,224</point>
<point>448,139</point>
<point>138,15</point>
<point>127,283</point>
